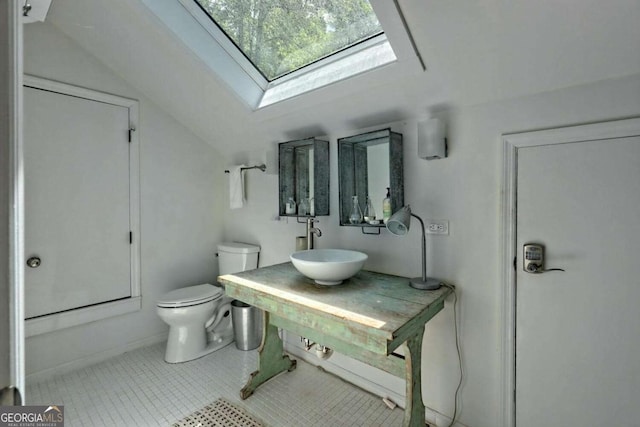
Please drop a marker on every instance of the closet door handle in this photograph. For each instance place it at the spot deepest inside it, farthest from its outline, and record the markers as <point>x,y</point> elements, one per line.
<point>34,262</point>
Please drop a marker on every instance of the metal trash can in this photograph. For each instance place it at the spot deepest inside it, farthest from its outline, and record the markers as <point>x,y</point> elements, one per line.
<point>247,325</point>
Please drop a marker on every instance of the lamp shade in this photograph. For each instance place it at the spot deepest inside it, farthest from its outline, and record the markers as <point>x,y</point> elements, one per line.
<point>400,221</point>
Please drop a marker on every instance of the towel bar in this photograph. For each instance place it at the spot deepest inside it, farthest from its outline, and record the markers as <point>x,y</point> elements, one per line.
<point>261,167</point>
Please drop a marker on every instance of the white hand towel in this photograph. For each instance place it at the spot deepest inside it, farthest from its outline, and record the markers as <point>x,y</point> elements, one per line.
<point>236,187</point>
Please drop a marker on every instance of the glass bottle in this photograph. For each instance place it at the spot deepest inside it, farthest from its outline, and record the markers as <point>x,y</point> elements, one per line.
<point>303,207</point>
<point>312,209</point>
<point>290,207</point>
<point>369,211</point>
<point>356,212</point>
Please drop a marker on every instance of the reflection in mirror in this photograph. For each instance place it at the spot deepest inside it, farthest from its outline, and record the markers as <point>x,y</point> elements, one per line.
<point>304,178</point>
<point>370,163</point>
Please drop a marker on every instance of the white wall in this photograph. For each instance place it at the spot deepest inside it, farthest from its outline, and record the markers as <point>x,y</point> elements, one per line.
<point>465,189</point>
<point>181,180</point>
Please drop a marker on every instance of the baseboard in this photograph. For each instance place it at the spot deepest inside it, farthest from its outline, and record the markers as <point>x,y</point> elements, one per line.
<point>81,316</point>
<point>95,358</point>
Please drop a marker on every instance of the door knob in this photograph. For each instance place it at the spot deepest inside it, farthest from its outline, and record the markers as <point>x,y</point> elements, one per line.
<point>34,262</point>
<point>533,260</point>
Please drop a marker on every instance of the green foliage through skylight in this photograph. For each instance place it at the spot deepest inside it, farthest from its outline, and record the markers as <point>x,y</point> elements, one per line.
<point>281,36</point>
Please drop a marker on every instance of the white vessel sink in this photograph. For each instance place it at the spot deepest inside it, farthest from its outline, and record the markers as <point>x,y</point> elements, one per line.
<point>328,266</point>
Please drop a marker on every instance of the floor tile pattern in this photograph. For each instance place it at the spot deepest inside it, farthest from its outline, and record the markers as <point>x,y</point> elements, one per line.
<point>139,389</point>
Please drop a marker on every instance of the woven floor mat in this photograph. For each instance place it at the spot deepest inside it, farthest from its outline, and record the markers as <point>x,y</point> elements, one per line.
<point>220,413</point>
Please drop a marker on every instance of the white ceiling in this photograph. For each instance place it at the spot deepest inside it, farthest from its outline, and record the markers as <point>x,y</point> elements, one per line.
<point>475,52</point>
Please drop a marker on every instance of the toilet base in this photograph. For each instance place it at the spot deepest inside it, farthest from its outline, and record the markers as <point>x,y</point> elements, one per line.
<point>213,345</point>
<point>188,339</point>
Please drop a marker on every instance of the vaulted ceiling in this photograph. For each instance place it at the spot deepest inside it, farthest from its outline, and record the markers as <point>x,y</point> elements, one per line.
<point>475,52</point>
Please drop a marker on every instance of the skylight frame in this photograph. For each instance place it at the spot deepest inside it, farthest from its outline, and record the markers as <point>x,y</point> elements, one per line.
<point>225,42</point>
<point>326,73</point>
<point>334,57</point>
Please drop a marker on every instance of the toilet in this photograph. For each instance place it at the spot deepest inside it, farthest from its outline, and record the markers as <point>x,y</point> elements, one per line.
<point>199,317</point>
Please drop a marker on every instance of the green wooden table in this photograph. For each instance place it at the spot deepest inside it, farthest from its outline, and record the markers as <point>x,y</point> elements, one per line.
<point>367,317</point>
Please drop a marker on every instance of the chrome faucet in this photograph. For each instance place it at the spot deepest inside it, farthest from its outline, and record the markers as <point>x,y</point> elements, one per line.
<point>311,230</point>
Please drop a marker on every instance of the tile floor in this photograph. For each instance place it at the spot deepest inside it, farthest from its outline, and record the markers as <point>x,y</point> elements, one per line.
<point>139,389</point>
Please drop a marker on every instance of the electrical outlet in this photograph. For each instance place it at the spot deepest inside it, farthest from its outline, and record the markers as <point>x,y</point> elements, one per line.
<point>437,226</point>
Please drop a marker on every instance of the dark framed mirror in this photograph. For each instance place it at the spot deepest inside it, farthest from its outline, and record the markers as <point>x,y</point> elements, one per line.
<point>369,163</point>
<point>304,177</point>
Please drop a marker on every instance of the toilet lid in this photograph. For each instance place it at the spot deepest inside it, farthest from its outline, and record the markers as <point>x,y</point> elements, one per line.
<point>191,295</point>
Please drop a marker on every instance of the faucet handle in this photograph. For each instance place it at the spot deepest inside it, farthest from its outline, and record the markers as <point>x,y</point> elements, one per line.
<point>311,220</point>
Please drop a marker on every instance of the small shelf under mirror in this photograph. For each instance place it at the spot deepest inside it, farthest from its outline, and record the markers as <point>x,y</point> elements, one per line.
<point>369,163</point>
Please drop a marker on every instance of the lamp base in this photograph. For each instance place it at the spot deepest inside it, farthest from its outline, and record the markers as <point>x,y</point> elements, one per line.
<point>426,285</point>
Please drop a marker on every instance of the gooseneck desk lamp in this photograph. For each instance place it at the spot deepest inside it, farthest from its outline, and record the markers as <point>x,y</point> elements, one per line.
<point>399,224</point>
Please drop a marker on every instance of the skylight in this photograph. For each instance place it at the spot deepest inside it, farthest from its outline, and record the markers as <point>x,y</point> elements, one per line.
<point>279,37</point>
<point>268,51</point>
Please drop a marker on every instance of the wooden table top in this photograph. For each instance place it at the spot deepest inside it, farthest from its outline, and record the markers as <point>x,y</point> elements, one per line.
<point>377,304</point>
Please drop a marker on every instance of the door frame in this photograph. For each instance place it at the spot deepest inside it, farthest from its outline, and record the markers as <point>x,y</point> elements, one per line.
<point>12,196</point>
<point>80,316</point>
<point>511,144</point>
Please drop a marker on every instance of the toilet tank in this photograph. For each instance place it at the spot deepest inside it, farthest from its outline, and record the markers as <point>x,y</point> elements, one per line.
<point>234,257</point>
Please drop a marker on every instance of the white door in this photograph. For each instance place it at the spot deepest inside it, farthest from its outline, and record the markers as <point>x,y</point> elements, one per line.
<point>77,214</point>
<point>577,331</point>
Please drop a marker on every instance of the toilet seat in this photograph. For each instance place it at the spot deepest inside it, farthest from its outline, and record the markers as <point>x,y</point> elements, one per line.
<point>190,296</point>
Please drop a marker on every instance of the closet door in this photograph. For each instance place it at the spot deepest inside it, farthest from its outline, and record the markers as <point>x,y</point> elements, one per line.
<point>77,211</point>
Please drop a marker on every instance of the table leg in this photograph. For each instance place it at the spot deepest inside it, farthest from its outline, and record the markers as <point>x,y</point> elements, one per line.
<point>272,359</point>
<point>414,412</point>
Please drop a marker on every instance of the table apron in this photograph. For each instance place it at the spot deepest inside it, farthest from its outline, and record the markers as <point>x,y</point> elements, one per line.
<point>373,340</point>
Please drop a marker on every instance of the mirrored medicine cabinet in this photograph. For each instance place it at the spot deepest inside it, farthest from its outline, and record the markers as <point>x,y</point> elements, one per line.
<point>304,178</point>
<point>369,163</point>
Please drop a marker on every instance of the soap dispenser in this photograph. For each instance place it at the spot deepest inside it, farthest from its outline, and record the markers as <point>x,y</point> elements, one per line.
<point>386,207</point>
